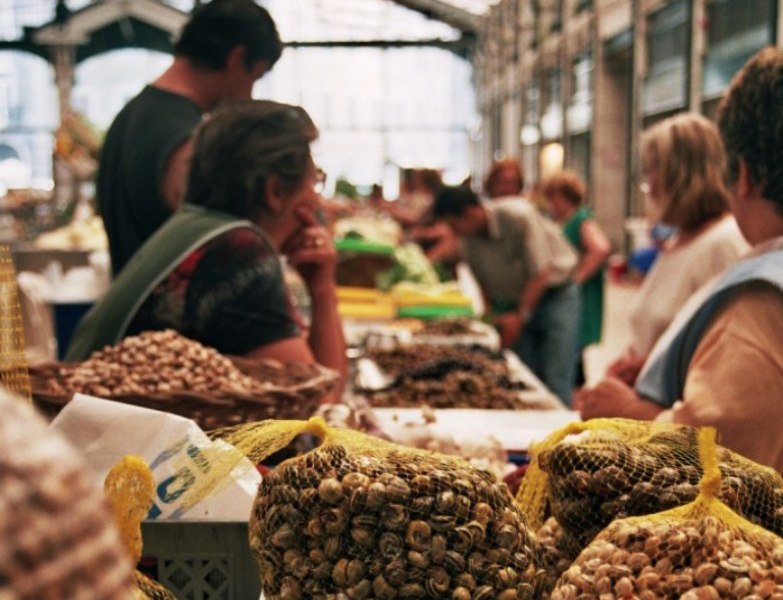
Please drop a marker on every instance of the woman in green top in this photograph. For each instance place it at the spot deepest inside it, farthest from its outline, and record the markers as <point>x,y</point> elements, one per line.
<point>565,194</point>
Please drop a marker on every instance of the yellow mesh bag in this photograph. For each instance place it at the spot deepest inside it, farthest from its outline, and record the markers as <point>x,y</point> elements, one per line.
<point>14,375</point>
<point>358,517</point>
<point>588,474</point>
<point>702,550</point>
<point>130,489</point>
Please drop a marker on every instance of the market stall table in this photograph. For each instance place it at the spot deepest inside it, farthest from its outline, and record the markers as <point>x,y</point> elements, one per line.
<point>516,430</point>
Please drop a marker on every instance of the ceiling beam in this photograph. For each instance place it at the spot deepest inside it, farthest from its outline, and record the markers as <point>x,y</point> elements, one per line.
<point>461,47</point>
<point>441,10</point>
<point>82,23</point>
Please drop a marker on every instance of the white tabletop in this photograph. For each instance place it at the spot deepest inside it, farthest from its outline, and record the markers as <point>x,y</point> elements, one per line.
<point>514,429</point>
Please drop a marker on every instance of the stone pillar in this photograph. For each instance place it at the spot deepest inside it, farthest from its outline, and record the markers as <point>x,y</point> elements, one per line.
<point>612,80</point>
<point>64,61</point>
<point>698,49</point>
<point>639,19</point>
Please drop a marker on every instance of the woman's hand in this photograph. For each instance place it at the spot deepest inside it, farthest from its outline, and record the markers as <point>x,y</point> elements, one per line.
<point>311,252</point>
<point>626,368</point>
<point>614,398</point>
<point>510,327</point>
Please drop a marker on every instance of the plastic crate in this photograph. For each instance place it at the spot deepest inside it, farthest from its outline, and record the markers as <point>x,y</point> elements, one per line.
<point>201,560</point>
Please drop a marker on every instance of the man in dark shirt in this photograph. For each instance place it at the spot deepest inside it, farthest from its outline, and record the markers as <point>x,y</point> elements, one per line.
<point>225,47</point>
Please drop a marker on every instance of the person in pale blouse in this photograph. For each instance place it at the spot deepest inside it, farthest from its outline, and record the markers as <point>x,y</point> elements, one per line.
<point>683,164</point>
<point>720,363</point>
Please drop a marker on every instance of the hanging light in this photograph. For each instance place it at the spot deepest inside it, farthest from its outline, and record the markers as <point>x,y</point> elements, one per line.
<point>552,159</point>
<point>529,135</point>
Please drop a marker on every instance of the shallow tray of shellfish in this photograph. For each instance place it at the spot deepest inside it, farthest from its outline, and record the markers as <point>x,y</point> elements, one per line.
<point>368,375</point>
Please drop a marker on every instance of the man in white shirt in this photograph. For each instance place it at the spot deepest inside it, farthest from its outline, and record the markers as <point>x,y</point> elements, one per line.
<point>523,264</point>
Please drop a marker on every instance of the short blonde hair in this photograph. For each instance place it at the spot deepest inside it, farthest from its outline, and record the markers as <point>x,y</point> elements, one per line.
<point>566,183</point>
<point>687,155</point>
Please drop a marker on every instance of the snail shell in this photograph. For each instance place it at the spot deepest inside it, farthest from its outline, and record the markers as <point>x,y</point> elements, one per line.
<point>418,535</point>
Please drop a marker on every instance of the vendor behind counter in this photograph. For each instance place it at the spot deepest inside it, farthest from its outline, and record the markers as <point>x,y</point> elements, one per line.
<point>212,272</point>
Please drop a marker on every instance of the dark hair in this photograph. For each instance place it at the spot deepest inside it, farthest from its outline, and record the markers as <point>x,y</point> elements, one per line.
<point>452,201</point>
<point>239,146</point>
<point>566,183</point>
<point>750,119</point>
<point>431,180</point>
<point>219,26</point>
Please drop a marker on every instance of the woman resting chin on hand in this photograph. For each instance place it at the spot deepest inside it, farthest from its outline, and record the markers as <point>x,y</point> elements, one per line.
<point>213,271</point>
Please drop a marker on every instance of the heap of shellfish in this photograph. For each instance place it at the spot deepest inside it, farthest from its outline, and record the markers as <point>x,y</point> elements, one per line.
<point>591,484</point>
<point>694,559</point>
<point>553,556</point>
<point>333,524</point>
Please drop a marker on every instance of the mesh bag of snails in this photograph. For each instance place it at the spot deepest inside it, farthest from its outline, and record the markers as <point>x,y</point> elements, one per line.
<point>590,473</point>
<point>358,517</point>
<point>701,550</point>
<point>554,558</point>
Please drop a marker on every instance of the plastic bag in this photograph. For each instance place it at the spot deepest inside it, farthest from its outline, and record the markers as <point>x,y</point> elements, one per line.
<point>590,473</point>
<point>175,448</point>
<point>697,551</point>
<point>365,518</point>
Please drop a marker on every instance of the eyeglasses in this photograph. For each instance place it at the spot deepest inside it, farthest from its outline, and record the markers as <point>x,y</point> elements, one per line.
<point>320,181</point>
<point>648,177</point>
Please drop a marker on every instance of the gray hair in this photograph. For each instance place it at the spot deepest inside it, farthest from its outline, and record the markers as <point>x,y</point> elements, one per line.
<point>239,146</point>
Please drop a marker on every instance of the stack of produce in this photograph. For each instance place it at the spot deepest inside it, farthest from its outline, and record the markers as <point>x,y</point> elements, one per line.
<point>375,230</point>
<point>411,265</point>
<point>430,300</point>
<point>362,263</point>
<point>365,303</point>
<point>361,518</point>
